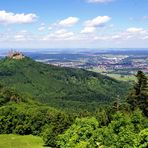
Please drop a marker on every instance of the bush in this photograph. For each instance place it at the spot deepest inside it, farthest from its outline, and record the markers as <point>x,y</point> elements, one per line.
<point>79,133</point>
<point>143,139</point>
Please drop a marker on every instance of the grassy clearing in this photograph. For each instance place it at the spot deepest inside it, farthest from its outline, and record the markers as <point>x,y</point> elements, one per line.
<point>114,75</point>
<point>122,78</point>
<point>17,141</point>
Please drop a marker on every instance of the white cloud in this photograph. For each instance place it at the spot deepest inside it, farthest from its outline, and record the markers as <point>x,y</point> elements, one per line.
<point>99,1</point>
<point>61,34</point>
<point>61,31</point>
<point>134,30</point>
<point>132,34</point>
<point>12,18</point>
<point>91,25</point>
<point>145,38</point>
<point>116,37</point>
<point>128,35</point>
<point>67,38</point>
<point>42,28</point>
<point>68,22</point>
<point>88,30</point>
<point>103,38</point>
<point>98,21</point>
<point>19,37</point>
<point>49,28</point>
<point>22,35</point>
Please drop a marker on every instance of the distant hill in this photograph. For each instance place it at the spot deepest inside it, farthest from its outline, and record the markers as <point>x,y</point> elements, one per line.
<point>60,87</point>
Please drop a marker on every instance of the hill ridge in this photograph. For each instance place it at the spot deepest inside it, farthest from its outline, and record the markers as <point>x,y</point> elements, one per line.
<point>58,86</point>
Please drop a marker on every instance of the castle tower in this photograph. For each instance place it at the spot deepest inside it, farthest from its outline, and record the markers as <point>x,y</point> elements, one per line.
<point>15,55</point>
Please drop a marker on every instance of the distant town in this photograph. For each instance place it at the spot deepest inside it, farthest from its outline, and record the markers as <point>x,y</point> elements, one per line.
<point>107,62</point>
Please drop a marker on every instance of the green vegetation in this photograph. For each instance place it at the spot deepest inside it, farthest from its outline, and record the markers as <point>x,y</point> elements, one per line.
<point>116,124</point>
<point>139,96</point>
<point>16,141</point>
<point>60,87</point>
<point>130,78</point>
<point>25,117</point>
<point>113,74</point>
<point>123,131</point>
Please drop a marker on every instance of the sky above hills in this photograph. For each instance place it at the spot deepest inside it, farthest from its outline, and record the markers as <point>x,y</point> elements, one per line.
<point>73,23</point>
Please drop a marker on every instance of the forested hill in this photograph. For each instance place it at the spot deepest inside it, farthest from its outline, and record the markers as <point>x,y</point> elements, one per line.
<point>59,87</point>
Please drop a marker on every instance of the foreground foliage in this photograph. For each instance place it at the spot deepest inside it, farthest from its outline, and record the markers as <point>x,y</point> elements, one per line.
<point>25,117</point>
<point>123,131</point>
<point>60,129</point>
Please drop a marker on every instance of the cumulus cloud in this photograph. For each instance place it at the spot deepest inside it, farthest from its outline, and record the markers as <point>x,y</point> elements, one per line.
<point>11,36</point>
<point>103,38</point>
<point>42,27</point>
<point>99,1</point>
<point>132,33</point>
<point>129,35</point>
<point>68,22</point>
<point>18,18</point>
<point>91,25</point>
<point>88,30</point>
<point>87,36</point>
<point>98,21</point>
<point>61,34</point>
<point>134,30</point>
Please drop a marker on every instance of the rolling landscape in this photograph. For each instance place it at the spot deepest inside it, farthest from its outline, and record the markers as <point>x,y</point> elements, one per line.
<point>50,102</point>
<point>73,74</point>
<point>58,86</point>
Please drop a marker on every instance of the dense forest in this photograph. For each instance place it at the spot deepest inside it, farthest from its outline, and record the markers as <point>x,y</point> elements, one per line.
<point>117,118</point>
<point>60,87</point>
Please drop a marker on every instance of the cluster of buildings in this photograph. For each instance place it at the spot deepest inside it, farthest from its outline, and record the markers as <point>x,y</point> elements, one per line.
<point>125,63</point>
<point>120,64</point>
<point>74,64</point>
<point>15,55</point>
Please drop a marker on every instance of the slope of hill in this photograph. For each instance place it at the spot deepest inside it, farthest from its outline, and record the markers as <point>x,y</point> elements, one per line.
<point>61,87</point>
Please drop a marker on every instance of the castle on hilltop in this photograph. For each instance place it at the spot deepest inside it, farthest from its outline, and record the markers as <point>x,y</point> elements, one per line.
<point>15,55</point>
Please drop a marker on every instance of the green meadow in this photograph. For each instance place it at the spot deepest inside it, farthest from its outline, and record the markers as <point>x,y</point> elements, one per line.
<point>16,141</point>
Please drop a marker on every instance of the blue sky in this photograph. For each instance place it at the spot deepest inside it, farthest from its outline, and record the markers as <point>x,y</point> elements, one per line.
<point>73,24</point>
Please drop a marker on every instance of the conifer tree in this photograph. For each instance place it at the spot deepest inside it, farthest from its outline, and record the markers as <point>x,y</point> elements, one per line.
<point>138,98</point>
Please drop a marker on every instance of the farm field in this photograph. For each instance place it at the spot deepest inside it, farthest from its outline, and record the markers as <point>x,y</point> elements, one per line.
<point>119,77</point>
